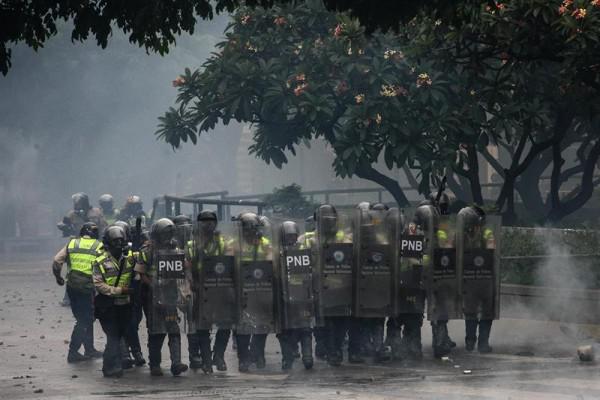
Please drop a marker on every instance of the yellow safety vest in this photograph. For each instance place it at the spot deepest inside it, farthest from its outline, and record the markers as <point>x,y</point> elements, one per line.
<point>215,247</point>
<point>254,252</point>
<point>81,253</point>
<point>109,267</point>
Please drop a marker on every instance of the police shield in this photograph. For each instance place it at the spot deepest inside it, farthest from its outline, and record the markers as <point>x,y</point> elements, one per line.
<point>373,258</point>
<point>415,248</point>
<point>335,249</point>
<point>442,283</point>
<point>254,277</point>
<point>171,294</point>
<point>477,241</point>
<point>295,281</point>
<point>213,265</point>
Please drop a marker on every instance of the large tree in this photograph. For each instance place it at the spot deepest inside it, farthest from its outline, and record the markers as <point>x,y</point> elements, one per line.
<point>300,72</point>
<point>431,97</point>
<point>154,24</point>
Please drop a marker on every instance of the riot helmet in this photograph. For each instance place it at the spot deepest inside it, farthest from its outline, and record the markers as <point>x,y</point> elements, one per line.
<point>183,223</point>
<point>89,229</point>
<point>162,232</point>
<point>115,241</point>
<point>250,227</point>
<point>426,215</point>
<point>379,207</point>
<point>81,203</point>
<point>289,233</point>
<point>106,203</point>
<point>426,202</point>
<point>125,227</point>
<point>473,219</point>
<point>363,205</point>
<point>326,217</point>
<point>207,221</point>
<point>134,205</point>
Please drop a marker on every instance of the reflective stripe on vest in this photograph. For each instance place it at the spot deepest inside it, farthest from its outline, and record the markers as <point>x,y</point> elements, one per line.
<point>81,253</point>
<point>110,271</point>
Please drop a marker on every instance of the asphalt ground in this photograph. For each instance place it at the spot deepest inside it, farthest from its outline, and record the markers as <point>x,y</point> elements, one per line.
<point>531,360</point>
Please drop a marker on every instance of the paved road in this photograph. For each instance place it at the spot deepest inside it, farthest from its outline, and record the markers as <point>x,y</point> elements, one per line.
<point>532,360</point>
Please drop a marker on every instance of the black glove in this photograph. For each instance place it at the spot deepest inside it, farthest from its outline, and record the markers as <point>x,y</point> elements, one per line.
<point>59,280</point>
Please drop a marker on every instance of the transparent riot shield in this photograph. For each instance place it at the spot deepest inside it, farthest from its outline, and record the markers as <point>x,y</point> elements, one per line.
<point>335,249</point>
<point>478,266</point>
<point>294,289</point>
<point>171,299</point>
<point>415,248</point>
<point>373,259</point>
<point>253,250</point>
<point>213,269</point>
<point>442,281</point>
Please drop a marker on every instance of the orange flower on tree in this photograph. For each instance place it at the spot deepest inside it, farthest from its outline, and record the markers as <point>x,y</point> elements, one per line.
<point>595,3</point>
<point>423,80</point>
<point>245,19</point>
<point>579,13</point>
<point>562,10</point>
<point>359,98</point>
<point>280,21</point>
<point>300,89</point>
<point>339,29</point>
<point>179,81</point>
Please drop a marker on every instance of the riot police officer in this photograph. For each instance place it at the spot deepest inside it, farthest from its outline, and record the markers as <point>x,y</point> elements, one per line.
<point>372,294</point>
<point>198,338</point>
<point>215,297</point>
<point>132,210</point>
<point>255,253</point>
<point>79,255</point>
<point>81,213</point>
<point>335,275</point>
<point>113,272</point>
<point>296,300</point>
<point>162,321</point>
<point>444,238</point>
<point>131,346</point>
<point>106,203</point>
<point>411,296</point>
<point>480,291</point>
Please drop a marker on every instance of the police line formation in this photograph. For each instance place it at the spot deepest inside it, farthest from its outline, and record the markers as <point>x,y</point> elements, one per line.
<point>367,275</point>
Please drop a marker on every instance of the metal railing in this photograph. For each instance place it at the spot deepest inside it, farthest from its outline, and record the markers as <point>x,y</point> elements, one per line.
<point>172,206</point>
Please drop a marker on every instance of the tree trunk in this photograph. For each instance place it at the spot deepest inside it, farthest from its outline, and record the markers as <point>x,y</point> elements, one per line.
<point>473,175</point>
<point>391,185</point>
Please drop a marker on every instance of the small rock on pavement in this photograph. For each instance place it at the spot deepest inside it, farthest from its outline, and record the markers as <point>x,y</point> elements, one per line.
<point>38,391</point>
<point>467,372</point>
<point>74,376</point>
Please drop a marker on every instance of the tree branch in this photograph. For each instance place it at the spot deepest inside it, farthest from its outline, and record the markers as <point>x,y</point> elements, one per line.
<point>366,171</point>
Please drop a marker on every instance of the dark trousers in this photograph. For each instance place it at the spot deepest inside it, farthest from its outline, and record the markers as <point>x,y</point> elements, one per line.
<point>471,325</point>
<point>250,347</point>
<point>337,328</point>
<point>114,321</point>
<point>320,334</point>
<point>82,307</point>
<point>407,335</point>
<point>133,338</point>
<point>289,339</point>
<point>155,343</point>
<point>199,347</point>
<point>221,341</point>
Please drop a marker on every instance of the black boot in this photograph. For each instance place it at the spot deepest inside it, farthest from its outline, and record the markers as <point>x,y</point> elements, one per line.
<point>243,352</point>
<point>306,346</point>
<point>155,342</point>
<point>126,360</point>
<point>439,343</point>
<point>194,350</point>
<point>470,334</point>
<point>483,346</point>
<point>177,367</point>
<point>257,350</point>
<point>204,337</point>
<point>287,350</point>
<point>221,340</point>
<point>449,343</point>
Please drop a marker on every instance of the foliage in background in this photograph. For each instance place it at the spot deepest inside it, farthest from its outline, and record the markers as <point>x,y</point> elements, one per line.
<point>289,202</point>
<point>583,272</point>
<point>431,97</point>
